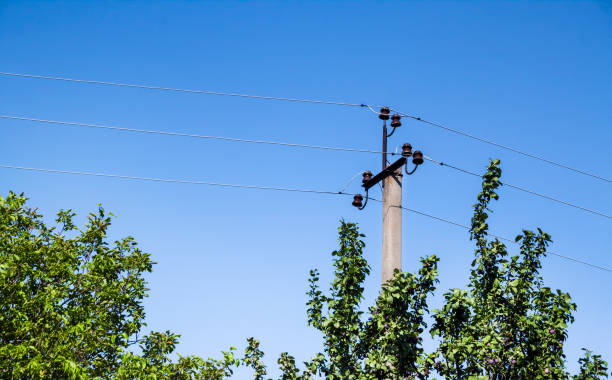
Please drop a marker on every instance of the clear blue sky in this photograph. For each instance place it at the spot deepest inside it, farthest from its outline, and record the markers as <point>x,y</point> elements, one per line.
<point>233,263</point>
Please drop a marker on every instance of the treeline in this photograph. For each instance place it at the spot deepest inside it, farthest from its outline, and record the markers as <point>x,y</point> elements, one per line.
<point>71,307</point>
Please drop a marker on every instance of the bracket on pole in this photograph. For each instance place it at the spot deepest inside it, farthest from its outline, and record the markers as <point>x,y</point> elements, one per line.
<point>389,170</point>
<point>368,180</point>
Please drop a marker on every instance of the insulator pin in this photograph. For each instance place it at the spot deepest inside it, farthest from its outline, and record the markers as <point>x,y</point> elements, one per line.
<point>384,113</point>
<point>406,150</point>
<point>417,157</point>
<point>358,200</point>
<point>395,120</point>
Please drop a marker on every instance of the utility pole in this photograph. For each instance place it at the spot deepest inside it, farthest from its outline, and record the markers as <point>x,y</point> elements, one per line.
<point>392,225</point>
<point>391,177</point>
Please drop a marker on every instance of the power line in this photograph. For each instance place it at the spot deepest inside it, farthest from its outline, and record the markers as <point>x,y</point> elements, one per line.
<point>292,145</point>
<point>299,100</point>
<point>155,179</point>
<point>351,180</point>
<point>178,134</point>
<point>252,187</point>
<point>495,236</point>
<point>506,239</point>
<point>486,141</point>
<point>191,91</point>
<point>522,189</point>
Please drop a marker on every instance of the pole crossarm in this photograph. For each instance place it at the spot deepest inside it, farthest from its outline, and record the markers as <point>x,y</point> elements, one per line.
<point>389,170</point>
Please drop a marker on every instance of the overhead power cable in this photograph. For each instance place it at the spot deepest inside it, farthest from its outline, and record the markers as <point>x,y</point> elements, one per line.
<point>315,101</point>
<point>351,180</point>
<point>506,147</point>
<point>252,187</point>
<point>178,134</point>
<point>191,91</point>
<point>599,213</point>
<point>507,240</point>
<point>321,147</point>
<point>155,179</point>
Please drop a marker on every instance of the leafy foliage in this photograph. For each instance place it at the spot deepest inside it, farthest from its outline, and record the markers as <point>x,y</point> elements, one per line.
<point>70,303</point>
<point>252,358</point>
<point>591,367</point>
<point>71,307</point>
<point>508,324</point>
<point>388,343</point>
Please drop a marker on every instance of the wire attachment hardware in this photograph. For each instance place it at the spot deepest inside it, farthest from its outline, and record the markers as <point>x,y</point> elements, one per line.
<point>358,198</point>
<point>358,201</point>
<point>395,122</point>
<point>384,113</point>
<point>417,158</point>
<point>406,150</point>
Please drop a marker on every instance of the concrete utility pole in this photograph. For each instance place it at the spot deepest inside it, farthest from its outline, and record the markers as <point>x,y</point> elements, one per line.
<point>392,207</point>
<point>391,177</point>
<point>392,225</point>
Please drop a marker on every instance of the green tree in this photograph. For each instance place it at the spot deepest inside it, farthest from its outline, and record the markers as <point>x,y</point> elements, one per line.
<point>71,307</point>
<point>592,367</point>
<point>507,324</point>
<point>71,303</point>
<point>387,345</point>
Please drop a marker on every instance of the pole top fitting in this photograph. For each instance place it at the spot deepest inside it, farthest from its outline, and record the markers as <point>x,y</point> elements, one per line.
<point>395,120</point>
<point>367,175</point>
<point>406,150</point>
<point>358,200</point>
<point>384,113</point>
<point>417,157</point>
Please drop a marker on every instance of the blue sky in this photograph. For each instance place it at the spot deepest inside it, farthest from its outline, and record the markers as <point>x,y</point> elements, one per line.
<point>233,263</point>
